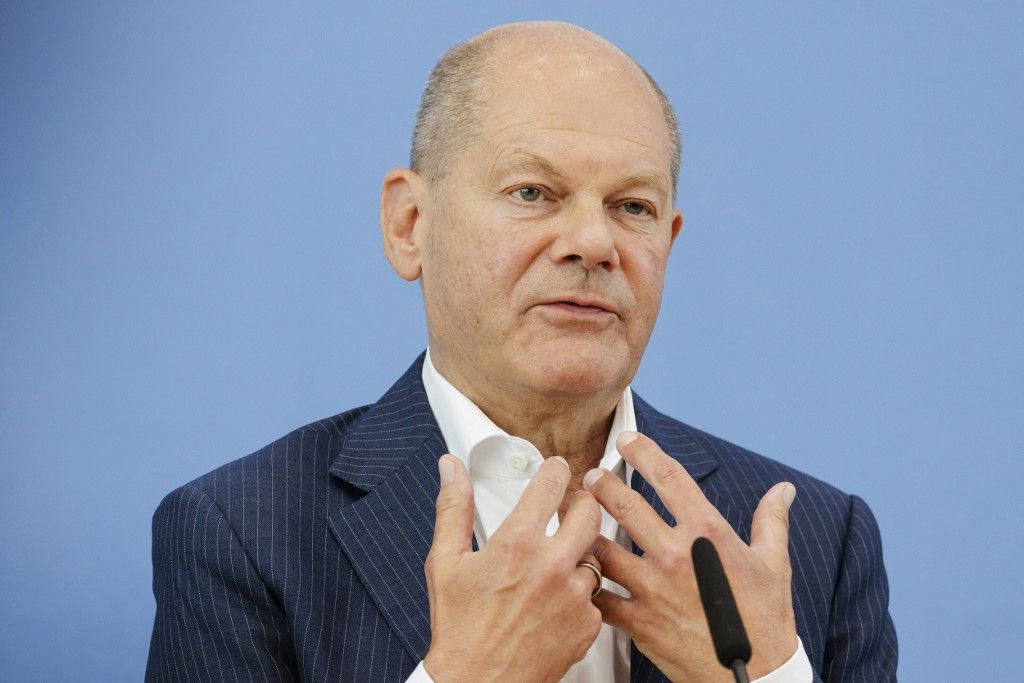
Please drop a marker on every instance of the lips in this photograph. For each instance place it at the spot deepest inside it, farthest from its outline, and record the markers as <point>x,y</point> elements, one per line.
<point>579,305</point>
<point>583,308</point>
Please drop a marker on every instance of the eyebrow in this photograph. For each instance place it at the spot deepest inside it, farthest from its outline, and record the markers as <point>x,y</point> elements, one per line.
<point>527,161</point>
<point>653,180</point>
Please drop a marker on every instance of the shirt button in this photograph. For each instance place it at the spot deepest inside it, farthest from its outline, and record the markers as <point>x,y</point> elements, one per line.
<point>518,461</point>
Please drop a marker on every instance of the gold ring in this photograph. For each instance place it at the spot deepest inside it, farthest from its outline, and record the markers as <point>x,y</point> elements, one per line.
<point>597,574</point>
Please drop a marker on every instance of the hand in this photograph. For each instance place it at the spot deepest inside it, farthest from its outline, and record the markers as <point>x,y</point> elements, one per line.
<point>519,609</point>
<point>664,614</point>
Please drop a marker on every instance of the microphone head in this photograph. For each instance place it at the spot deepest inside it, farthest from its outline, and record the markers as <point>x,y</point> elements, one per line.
<point>727,632</point>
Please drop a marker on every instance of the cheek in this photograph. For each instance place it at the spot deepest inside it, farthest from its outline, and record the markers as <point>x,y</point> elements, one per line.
<point>646,274</point>
<point>467,278</point>
<point>504,252</point>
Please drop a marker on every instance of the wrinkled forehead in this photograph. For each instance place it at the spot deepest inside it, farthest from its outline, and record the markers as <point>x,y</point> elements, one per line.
<point>585,87</point>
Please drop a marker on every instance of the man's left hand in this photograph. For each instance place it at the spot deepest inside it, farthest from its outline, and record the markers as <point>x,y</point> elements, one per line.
<point>664,615</point>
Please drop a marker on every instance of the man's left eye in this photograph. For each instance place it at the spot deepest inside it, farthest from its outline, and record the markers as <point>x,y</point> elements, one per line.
<point>528,194</point>
<point>634,208</point>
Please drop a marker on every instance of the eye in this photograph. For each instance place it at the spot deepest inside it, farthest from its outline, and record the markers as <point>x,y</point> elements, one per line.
<point>528,194</point>
<point>635,208</point>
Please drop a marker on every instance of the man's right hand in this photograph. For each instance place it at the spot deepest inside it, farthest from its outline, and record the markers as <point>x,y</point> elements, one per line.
<point>520,608</point>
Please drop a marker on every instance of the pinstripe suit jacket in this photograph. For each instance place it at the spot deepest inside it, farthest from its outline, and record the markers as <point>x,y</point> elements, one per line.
<point>304,560</point>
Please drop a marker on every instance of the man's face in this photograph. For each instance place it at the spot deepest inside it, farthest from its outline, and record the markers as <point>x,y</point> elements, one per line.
<point>547,242</point>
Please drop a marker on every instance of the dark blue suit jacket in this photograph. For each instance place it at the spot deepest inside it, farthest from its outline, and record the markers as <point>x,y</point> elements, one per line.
<point>305,559</point>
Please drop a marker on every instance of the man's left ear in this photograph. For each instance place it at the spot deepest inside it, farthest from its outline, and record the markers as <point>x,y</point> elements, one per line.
<point>402,220</point>
<point>677,224</point>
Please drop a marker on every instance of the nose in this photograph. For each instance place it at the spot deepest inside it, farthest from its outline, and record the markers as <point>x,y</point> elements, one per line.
<point>587,237</point>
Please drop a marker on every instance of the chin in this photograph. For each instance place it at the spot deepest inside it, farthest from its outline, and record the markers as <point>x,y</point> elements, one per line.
<point>578,371</point>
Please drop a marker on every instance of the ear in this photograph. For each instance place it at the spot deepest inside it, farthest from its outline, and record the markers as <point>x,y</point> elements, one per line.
<point>402,204</point>
<point>677,225</point>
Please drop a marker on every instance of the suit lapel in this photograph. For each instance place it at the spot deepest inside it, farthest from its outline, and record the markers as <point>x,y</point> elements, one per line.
<point>679,443</point>
<point>391,453</point>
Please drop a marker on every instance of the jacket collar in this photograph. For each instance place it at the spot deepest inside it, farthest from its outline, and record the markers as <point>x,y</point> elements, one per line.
<point>389,437</point>
<point>391,453</point>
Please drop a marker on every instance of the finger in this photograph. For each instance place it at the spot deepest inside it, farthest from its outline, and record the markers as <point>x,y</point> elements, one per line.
<point>542,496</point>
<point>453,525</point>
<point>592,577</point>
<point>616,610</point>
<point>592,559</point>
<point>581,523</point>
<point>644,525</point>
<point>670,480</point>
<point>769,530</point>
<point>618,564</point>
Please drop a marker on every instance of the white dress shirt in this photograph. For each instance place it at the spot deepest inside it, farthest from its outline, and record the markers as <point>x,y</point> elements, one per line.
<point>501,466</point>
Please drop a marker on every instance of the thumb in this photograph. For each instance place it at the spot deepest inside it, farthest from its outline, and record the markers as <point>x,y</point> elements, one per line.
<point>769,531</point>
<point>453,526</point>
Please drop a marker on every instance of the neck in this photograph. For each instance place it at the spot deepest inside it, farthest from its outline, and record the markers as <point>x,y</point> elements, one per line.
<point>574,427</point>
<point>575,430</point>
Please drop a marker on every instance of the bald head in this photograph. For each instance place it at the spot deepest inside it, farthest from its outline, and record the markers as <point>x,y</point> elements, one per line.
<point>461,86</point>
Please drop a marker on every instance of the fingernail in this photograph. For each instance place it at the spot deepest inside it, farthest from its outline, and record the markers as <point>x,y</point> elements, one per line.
<point>446,468</point>
<point>624,439</point>
<point>591,477</point>
<point>561,460</point>
<point>788,494</point>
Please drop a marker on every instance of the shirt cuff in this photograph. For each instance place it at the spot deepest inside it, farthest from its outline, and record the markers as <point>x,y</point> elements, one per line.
<point>420,675</point>
<point>797,669</point>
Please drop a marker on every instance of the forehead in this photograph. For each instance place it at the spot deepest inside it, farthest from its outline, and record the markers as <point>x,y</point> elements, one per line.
<point>581,101</point>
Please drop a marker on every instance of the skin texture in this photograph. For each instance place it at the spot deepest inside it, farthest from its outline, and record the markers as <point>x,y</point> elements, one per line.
<point>541,255</point>
<point>536,211</point>
<point>663,612</point>
<point>527,593</point>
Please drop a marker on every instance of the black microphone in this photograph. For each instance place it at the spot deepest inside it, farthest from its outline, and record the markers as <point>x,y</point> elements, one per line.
<point>727,633</point>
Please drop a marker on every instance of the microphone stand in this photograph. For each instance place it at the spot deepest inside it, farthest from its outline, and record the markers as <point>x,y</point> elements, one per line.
<point>739,671</point>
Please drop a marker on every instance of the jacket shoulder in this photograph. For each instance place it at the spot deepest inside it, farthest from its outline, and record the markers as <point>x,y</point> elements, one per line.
<point>743,467</point>
<point>293,463</point>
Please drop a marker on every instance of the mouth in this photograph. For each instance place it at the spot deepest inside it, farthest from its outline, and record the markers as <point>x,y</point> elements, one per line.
<point>579,307</point>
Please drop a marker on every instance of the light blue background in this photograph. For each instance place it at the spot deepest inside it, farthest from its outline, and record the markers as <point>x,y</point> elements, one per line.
<point>190,267</point>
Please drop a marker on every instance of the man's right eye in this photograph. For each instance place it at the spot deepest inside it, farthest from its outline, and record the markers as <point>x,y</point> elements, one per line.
<point>528,194</point>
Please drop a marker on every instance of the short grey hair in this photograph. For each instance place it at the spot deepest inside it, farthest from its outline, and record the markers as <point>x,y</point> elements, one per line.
<point>453,104</point>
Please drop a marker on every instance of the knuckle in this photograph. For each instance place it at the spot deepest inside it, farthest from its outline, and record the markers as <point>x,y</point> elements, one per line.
<point>708,529</point>
<point>646,583</point>
<point>673,556</point>
<point>668,471</point>
<point>448,500</point>
<point>782,517</point>
<point>517,542</point>
<point>591,510</point>
<point>431,564</point>
<point>592,623</point>
<point>564,561</point>
<point>628,503</point>
<point>549,482</point>
<point>578,585</point>
<point>600,551</point>
<point>558,573</point>
<point>643,623</point>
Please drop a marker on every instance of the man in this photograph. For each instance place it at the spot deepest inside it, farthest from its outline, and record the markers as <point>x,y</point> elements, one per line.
<point>538,216</point>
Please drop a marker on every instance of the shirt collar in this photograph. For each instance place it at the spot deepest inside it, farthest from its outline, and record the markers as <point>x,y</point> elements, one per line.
<point>464,426</point>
